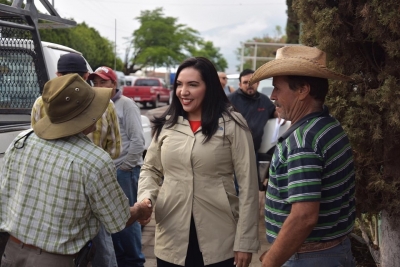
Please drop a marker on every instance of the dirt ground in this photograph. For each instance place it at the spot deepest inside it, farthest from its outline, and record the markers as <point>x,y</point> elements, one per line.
<point>361,254</point>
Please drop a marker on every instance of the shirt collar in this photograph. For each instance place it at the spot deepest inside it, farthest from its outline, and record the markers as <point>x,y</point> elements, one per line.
<point>293,127</point>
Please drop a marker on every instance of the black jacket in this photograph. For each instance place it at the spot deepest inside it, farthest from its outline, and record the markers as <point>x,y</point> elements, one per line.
<point>257,110</point>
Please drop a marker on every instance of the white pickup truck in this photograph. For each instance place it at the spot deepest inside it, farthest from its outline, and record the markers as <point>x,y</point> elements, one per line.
<point>26,64</point>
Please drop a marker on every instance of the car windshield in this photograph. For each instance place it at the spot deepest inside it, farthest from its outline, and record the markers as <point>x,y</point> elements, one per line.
<point>265,87</point>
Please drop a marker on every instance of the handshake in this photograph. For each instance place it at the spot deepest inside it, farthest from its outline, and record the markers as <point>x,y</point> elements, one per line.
<point>140,211</point>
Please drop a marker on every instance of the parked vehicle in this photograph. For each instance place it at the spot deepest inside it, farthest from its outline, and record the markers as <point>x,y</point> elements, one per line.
<point>26,65</point>
<point>121,79</point>
<point>129,80</point>
<point>148,90</point>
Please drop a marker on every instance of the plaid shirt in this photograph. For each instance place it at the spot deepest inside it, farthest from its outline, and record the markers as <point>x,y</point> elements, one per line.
<point>55,193</point>
<point>107,134</point>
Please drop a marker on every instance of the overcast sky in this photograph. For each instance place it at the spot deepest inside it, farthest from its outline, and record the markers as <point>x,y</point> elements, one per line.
<point>226,23</point>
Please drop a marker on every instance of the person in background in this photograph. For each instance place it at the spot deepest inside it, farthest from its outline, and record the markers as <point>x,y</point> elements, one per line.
<point>256,108</point>
<point>106,135</point>
<point>310,203</point>
<point>56,186</point>
<point>198,143</point>
<point>224,83</point>
<point>128,242</point>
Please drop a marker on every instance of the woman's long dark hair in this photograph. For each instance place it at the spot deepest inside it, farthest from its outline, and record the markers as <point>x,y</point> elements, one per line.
<point>214,105</point>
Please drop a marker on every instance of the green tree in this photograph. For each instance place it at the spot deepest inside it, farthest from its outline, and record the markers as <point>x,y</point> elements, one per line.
<point>206,49</point>
<point>292,25</point>
<point>162,41</point>
<point>159,41</point>
<point>97,50</point>
<point>361,38</point>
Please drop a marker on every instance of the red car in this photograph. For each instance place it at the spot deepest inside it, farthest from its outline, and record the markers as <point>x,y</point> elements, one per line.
<point>148,90</point>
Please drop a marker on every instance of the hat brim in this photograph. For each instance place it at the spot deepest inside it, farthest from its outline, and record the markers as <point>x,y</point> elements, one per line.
<point>295,66</point>
<point>45,129</point>
<point>93,75</point>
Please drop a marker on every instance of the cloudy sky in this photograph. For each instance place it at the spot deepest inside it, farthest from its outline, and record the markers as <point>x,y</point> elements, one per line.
<point>226,23</point>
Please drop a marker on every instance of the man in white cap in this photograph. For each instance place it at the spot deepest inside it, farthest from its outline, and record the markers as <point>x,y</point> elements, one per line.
<point>56,185</point>
<point>310,204</point>
<point>127,243</point>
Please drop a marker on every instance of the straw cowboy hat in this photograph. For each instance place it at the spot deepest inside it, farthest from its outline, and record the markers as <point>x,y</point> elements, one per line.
<point>71,106</point>
<point>297,60</point>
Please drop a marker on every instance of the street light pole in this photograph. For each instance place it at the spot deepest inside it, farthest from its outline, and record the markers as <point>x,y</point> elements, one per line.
<point>115,46</point>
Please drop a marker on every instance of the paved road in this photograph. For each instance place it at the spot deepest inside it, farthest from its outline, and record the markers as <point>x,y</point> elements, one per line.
<point>148,239</point>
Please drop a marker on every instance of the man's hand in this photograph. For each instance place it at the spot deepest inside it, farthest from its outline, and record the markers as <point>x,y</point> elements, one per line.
<point>146,208</point>
<point>144,222</point>
<point>242,259</point>
<point>263,255</point>
<point>140,211</point>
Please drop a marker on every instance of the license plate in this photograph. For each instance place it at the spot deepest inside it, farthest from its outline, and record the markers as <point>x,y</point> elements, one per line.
<point>136,98</point>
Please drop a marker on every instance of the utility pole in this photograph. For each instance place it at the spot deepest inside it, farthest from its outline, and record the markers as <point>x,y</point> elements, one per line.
<point>115,46</point>
<point>52,2</point>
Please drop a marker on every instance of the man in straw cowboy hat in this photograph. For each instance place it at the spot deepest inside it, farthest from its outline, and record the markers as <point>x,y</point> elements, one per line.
<point>56,185</point>
<point>310,204</point>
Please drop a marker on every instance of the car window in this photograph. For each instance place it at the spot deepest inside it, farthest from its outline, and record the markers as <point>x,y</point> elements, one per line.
<point>233,80</point>
<point>265,87</point>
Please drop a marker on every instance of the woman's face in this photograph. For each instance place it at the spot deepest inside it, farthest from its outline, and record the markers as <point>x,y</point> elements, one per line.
<point>191,90</point>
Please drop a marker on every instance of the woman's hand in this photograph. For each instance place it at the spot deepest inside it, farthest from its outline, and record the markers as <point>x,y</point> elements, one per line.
<point>242,259</point>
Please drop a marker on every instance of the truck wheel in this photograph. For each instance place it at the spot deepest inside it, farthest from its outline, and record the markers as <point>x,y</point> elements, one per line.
<point>155,102</point>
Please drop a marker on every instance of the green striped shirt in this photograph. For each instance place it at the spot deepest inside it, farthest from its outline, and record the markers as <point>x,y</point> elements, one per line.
<point>313,162</point>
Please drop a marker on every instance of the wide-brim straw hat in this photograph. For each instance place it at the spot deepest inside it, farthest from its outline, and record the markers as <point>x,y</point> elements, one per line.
<point>299,61</point>
<point>71,107</point>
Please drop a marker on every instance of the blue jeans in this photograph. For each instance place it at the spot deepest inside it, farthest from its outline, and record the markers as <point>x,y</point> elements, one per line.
<point>128,242</point>
<point>105,254</point>
<point>339,255</point>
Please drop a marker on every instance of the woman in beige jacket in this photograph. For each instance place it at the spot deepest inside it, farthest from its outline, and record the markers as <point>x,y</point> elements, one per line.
<point>198,143</point>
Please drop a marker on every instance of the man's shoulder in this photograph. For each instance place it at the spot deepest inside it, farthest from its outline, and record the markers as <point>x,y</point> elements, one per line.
<point>87,153</point>
<point>234,96</point>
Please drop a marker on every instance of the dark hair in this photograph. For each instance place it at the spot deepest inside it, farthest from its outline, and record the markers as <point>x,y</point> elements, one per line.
<point>214,105</point>
<point>79,73</point>
<point>244,73</point>
<point>318,86</point>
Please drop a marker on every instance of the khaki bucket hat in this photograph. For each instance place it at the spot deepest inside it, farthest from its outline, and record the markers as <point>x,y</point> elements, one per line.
<point>71,106</point>
<point>300,61</point>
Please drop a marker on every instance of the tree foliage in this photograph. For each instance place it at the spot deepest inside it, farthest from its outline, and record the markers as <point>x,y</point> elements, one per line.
<point>97,50</point>
<point>162,41</point>
<point>206,49</point>
<point>262,51</point>
<point>292,25</point>
<point>362,39</point>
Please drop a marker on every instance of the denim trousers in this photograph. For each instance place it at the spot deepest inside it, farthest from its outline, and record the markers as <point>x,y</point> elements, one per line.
<point>105,254</point>
<point>338,256</point>
<point>128,242</point>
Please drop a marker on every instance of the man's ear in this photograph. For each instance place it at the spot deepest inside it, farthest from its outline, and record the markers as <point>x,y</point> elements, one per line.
<point>304,91</point>
<point>85,76</point>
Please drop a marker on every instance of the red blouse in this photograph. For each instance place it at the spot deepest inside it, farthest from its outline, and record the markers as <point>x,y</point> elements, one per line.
<point>195,125</point>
